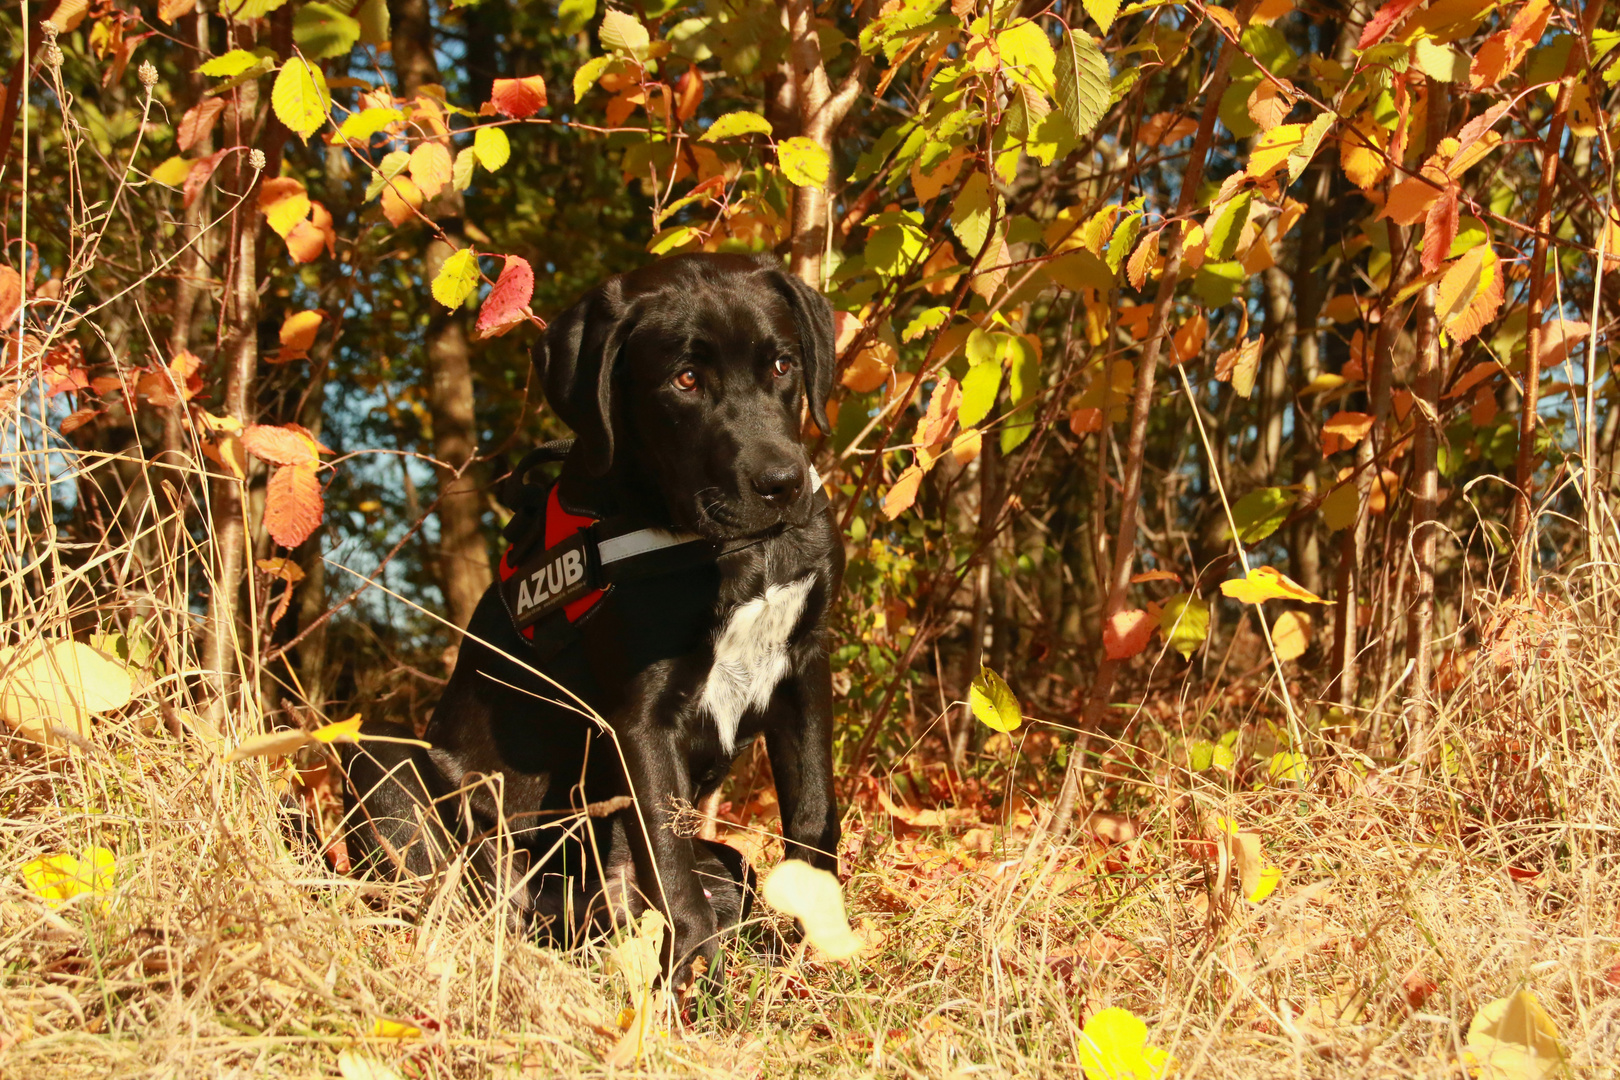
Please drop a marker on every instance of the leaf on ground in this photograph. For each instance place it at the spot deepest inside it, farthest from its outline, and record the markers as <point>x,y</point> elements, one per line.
<point>519,99</point>
<point>507,304</point>
<point>994,703</point>
<point>353,1065</point>
<point>1286,767</point>
<point>457,278</point>
<point>300,97</point>
<point>1291,633</point>
<point>1267,583</point>
<point>814,898</point>
<point>59,879</point>
<point>1513,1038</point>
<point>1114,1046</point>
<point>1127,633</point>
<point>50,683</point>
<point>293,504</point>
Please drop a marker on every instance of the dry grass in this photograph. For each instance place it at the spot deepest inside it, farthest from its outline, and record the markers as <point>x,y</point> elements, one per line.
<point>1411,895</point>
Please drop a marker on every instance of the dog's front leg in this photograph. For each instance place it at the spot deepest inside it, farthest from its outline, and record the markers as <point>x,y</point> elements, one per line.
<point>800,748</point>
<point>666,866</point>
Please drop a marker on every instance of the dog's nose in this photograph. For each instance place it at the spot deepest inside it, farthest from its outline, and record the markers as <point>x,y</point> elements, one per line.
<point>779,485</point>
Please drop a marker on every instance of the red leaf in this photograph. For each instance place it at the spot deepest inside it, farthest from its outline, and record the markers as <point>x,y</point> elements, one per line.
<point>292,503</point>
<point>507,304</point>
<point>282,445</point>
<point>519,98</point>
<point>198,122</point>
<point>1440,230</point>
<point>1127,633</point>
<point>1382,23</point>
<point>199,175</point>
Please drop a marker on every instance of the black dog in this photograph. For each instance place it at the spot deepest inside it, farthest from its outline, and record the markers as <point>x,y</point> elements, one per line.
<point>684,383</point>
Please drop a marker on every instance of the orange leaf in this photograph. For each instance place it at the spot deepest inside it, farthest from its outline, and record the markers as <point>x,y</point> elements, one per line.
<point>1127,633</point>
<point>309,238</point>
<point>292,503</point>
<point>431,168</point>
<point>1558,337</point>
<point>1440,230</point>
<point>521,98</point>
<point>1344,430</point>
<point>10,297</point>
<point>1188,341</point>
<point>1409,201</point>
<point>171,10</point>
<point>1385,20</point>
<point>904,492</point>
<point>282,445</point>
<point>941,415</point>
<point>688,94</point>
<point>197,179</point>
<point>1265,583</point>
<point>198,122</point>
<point>400,200</point>
<point>284,203</point>
<point>1155,575</point>
<point>1142,260</point>
<point>507,304</point>
<point>870,368</point>
<point>298,334</point>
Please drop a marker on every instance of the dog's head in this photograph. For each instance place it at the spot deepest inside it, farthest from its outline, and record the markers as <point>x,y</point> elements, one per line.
<point>688,377</point>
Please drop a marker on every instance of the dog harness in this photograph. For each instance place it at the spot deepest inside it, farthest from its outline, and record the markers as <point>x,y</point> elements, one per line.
<point>558,565</point>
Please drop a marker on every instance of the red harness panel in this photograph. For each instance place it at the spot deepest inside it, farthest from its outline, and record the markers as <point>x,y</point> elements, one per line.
<point>560,526</point>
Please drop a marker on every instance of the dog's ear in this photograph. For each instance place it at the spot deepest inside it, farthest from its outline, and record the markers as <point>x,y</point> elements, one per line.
<point>813,317</point>
<point>576,361</point>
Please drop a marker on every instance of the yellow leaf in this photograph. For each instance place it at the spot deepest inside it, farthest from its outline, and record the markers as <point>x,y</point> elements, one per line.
<point>58,879</point>
<point>813,897</point>
<point>1272,148</point>
<point>46,684</point>
<point>457,279</point>
<point>1114,1046</point>
<point>354,1065</point>
<point>1286,767</point>
<point>394,1029</point>
<point>493,148</point>
<point>804,162</point>
<point>298,332</point>
<point>994,703</point>
<point>1361,154</point>
<point>342,731</point>
<point>1265,885</point>
<point>300,97</point>
<point>1513,1038</point>
<point>1266,583</point>
<point>173,171</point>
<point>1291,633</point>
<point>273,744</point>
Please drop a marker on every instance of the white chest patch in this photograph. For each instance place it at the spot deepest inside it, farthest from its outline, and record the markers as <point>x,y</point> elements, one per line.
<point>751,656</point>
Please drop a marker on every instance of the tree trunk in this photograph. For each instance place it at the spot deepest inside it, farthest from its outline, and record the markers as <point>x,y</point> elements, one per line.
<point>820,112</point>
<point>463,556</point>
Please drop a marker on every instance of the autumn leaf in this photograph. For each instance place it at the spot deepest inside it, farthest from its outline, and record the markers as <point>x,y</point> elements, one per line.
<point>1440,230</point>
<point>401,198</point>
<point>198,122</point>
<point>1184,622</point>
<point>457,278</point>
<point>804,162</point>
<point>298,335</point>
<point>1385,19</point>
<point>60,879</point>
<point>281,445</point>
<point>1291,633</point>
<point>507,304</point>
<point>1187,343</point>
<point>624,33</point>
<point>940,416</point>
<point>1241,364</point>
<point>1409,202</point>
<point>1266,583</point>
<point>1127,633</point>
<point>492,147</point>
<point>293,504</point>
<point>519,99</point>
<point>50,683</point>
<point>171,172</point>
<point>430,168</point>
<point>735,125</point>
<point>1114,1046</point>
<point>1470,293</point>
<point>309,238</point>
<point>993,702</point>
<point>340,731</point>
<point>903,493</point>
<point>284,202</point>
<point>1513,1038</point>
<point>813,896</point>
<point>1344,430</point>
<point>300,97</point>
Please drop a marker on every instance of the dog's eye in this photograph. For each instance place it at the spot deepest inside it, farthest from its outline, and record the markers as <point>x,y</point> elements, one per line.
<point>782,366</point>
<point>686,379</point>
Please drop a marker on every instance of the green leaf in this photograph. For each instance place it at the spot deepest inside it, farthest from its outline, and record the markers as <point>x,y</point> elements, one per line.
<point>588,73</point>
<point>1082,78</point>
<point>970,214</point>
<point>493,148</point>
<point>393,163</point>
<point>670,239</point>
<point>1259,513</point>
<point>249,9</point>
<point>374,25</point>
<point>981,347</point>
<point>1340,506</point>
<point>300,97</point>
<point>1300,156</point>
<point>1440,62</point>
<point>1104,11</point>
<point>323,32</point>
<point>1024,378</point>
<point>229,64</point>
<point>362,125</point>
<point>1124,241</point>
<point>736,124</point>
<point>1228,228</point>
<point>1200,755</point>
<point>804,162</point>
<point>1027,52</point>
<point>979,389</point>
<point>1184,621</point>
<point>994,703</point>
<point>624,33</point>
<point>461,171</point>
<point>457,278</point>
<point>1216,283</point>
<point>575,15</point>
<point>928,319</point>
